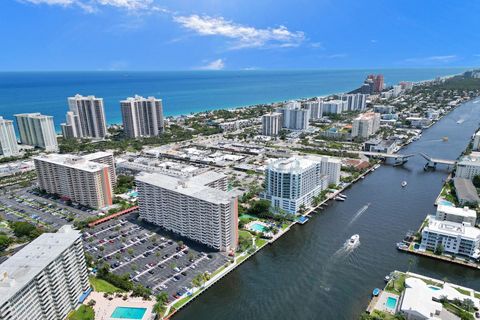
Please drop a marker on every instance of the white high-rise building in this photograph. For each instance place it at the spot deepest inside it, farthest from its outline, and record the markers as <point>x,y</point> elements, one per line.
<point>315,107</point>
<point>469,166</point>
<point>355,102</point>
<point>295,182</point>
<point>8,139</point>
<point>46,279</point>
<point>86,118</point>
<point>476,141</point>
<point>334,106</point>
<point>365,125</point>
<point>271,124</point>
<point>198,207</point>
<point>294,116</point>
<point>142,117</point>
<point>37,130</point>
<point>86,180</point>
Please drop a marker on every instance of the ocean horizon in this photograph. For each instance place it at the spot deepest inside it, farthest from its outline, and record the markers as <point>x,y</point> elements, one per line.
<point>185,92</point>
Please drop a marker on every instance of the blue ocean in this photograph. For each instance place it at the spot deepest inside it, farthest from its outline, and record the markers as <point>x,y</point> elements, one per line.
<point>184,92</point>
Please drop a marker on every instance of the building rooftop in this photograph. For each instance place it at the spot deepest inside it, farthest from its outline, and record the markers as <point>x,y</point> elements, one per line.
<point>453,229</point>
<point>466,191</point>
<point>194,187</point>
<point>96,155</point>
<point>299,163</point>
<point>36,115</point>
<point>24,266</point>
<point>464,212</point>
<point>366,116</point>
<point>72,161</point>
<point>139,98</point>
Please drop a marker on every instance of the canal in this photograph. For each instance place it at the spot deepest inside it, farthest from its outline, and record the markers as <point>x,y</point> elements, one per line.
<point>308,275</point>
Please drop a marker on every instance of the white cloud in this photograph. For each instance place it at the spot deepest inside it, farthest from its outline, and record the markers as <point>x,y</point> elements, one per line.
<point>243,36</point>
<point>93,5</point>
<point>433,59</point>
<point>52,2</point>
<point>127,4</point>
<point>218,64</point>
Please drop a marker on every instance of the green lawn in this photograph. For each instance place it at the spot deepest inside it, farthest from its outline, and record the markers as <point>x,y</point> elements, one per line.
<point>82,313</point>
<point>260,242</point>
<point>396,286</point>
<point>101,285</point>
<point>477,295</point>
<point>463,291</point>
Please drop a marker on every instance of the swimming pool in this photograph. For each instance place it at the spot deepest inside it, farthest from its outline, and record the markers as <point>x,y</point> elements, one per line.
<point>128,313</point>
<point>444,202</point>
<point>258,227</point>
<point>434,288</point>
<point>391,303</point>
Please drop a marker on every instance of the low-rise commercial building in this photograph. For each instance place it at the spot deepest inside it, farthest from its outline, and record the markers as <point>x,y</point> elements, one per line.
<point>455,238</point>
<point>46,279</point>
<point>198,208</point>
<point>80,179</point>
<point>458,215</point>
<point>382,109</point>
<point>466,192</point>
<point>418,122</point>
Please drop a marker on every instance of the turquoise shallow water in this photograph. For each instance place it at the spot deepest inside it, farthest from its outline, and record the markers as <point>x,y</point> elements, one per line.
<point>128,313</point>
<point>183,92</point>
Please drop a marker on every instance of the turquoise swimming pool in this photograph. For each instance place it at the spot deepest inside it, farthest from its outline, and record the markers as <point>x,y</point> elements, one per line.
<point>128,313</point>
<point>257,227</point>
<point>434,288</point>
<point>391,303</point>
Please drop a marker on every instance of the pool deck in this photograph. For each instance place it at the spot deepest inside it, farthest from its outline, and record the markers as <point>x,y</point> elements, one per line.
<point>381,302</point>
<point>104,307</point>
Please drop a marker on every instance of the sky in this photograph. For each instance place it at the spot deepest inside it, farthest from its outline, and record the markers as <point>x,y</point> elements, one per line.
<point>237,34</point>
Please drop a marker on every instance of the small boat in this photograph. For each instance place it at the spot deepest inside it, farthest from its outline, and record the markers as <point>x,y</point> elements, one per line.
<point>387,278</point>
<point>354,240</point>
<point>402,246</point>
<point>337,198</point>
<point>376,292</point>
<point>460,121</point>
<point>445,139</point>
<point>342,195</point>
<point>404,184</point>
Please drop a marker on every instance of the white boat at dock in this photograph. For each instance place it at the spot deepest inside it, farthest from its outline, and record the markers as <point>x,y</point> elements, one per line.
<point>337,198</point>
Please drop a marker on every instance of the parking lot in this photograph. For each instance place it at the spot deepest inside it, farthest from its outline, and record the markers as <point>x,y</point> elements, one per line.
<point>149,255</point>
<point>24,205</point>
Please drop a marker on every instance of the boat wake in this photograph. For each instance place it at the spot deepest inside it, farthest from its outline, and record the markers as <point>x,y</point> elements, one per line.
<point>359,213</point>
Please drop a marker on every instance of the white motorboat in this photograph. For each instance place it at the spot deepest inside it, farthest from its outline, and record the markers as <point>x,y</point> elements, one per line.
<point>404,184</point>
<point>337,198</point>
<point>354,240</point>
